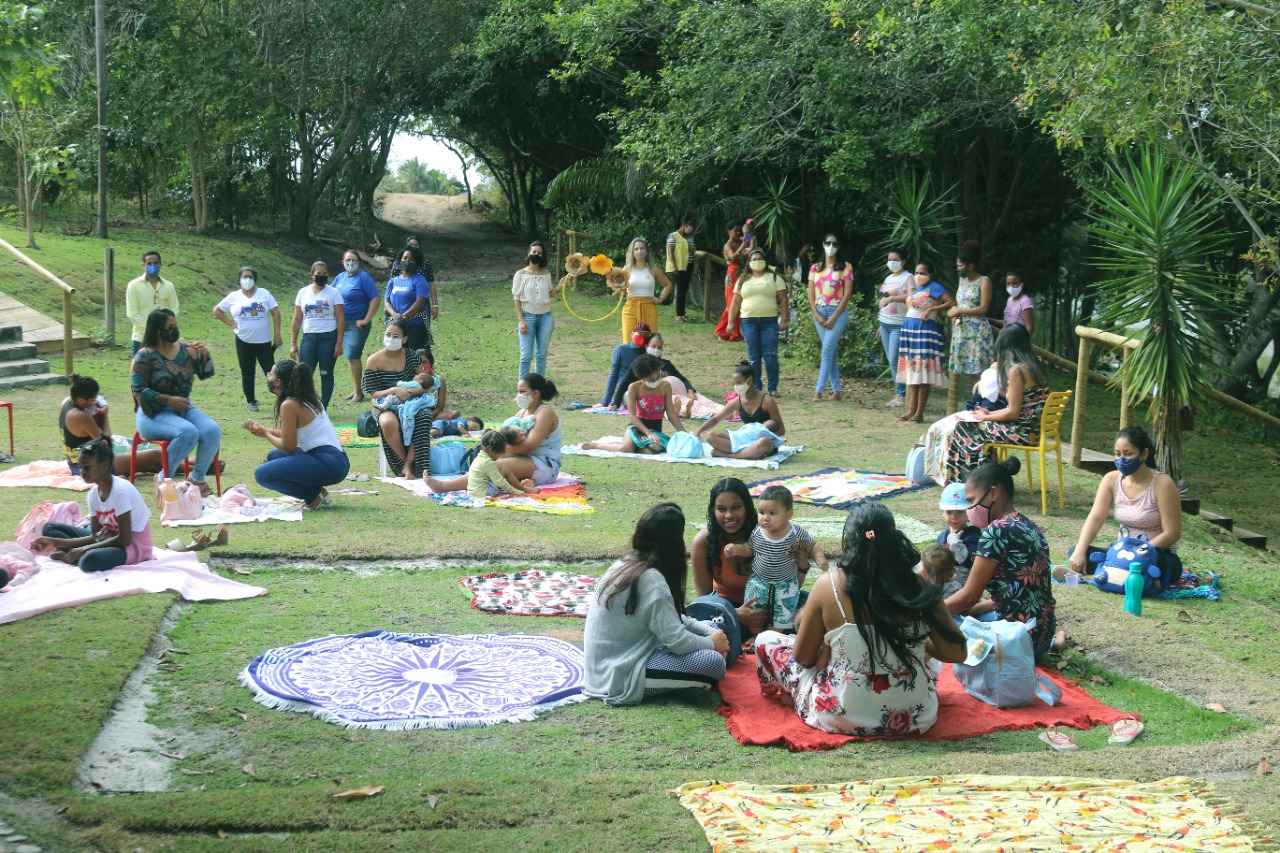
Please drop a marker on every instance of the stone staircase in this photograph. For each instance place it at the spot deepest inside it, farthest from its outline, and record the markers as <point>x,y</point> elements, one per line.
<point>19,367</point>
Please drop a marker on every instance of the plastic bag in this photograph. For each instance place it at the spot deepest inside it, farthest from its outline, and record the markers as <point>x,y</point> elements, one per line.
<point>186,505</point>
<point>1001,667</point>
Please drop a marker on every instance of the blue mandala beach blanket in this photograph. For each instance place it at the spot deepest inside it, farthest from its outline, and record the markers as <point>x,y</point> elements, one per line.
<point>386,680</point>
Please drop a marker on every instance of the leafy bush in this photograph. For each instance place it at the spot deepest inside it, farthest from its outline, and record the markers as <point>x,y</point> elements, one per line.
<point>859,346</point>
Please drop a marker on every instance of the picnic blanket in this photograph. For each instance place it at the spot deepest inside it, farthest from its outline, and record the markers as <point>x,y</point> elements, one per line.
<point>769,463</point>
<point>57,585</point>
<point>839,489</point>
<point>1194,583</point>
<point>704,408</point>
<point>387,680</point>
<point>348,437</point>
<point>566,495</point>
<point>531,593</point>
<point>49,475</point>
<point>965,813</point>
<point>756,720</point>
<point>263,509</point>
<point>832,527</point>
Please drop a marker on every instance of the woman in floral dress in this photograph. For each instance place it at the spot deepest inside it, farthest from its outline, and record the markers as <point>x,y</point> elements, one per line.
<point>953,446</point>
<point>972,340</point>
<point>857,665</point>
<point>921,356</point>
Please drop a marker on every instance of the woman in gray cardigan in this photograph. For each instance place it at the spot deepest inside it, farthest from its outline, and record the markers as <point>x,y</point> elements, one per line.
<point>638,639</point>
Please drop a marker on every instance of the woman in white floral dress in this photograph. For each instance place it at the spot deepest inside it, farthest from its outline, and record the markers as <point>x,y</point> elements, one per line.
<point>972,340</point>
<point>858,664</point>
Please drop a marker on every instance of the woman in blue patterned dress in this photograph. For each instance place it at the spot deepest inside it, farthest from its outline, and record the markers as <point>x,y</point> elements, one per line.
<point>921,356</point>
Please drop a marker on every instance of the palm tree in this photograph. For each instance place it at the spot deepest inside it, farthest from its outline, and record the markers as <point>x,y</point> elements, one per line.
<point>1161,234</point>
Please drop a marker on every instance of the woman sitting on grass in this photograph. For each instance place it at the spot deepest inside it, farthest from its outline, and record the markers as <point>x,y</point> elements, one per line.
<point>857,665</point>
<point>762,430</point>
<point>84,417</point>
<point>731,517</point>
<point>648,402</point>
<point>638,640</point>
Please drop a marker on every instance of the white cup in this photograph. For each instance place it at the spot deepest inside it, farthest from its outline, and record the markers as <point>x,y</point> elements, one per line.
<point>1072,579</point>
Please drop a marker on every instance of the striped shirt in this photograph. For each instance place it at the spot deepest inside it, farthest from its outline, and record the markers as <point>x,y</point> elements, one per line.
<point>773,561</point>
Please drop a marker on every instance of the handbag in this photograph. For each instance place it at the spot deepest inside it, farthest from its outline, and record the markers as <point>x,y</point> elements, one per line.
<point>367,425</point>
<point>915,467</point>
<point>185,505</point>
<point>1001,671</point>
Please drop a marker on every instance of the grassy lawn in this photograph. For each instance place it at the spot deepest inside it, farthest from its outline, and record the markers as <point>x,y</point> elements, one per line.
<point>582,777</point>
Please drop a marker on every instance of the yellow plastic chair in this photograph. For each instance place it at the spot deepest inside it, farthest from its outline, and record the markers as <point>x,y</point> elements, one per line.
<point>1050,440</point>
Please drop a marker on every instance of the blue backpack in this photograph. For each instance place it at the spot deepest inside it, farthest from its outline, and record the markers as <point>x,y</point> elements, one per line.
<point>449,457</point>
<point>714,609</point>
<point>1113,568</point>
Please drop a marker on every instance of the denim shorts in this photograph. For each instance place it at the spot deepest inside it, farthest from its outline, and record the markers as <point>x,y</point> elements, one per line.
<point>353,341</point>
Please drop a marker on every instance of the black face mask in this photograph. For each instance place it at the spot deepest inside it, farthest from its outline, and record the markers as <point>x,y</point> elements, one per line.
<point>320,279</point>
<point>409,266</point>
<point>535,260</point>
<point>169,334</point>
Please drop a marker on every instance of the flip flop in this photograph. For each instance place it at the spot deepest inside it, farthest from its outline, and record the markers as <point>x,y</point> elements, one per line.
<point>6,458</point>
<point>1124,731</point>
<point>1059,740</point>
<point>358,478</point>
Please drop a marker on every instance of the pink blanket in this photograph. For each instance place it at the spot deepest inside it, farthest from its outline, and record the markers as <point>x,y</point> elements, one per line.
<point>51,475</point>
<point>57,585</point>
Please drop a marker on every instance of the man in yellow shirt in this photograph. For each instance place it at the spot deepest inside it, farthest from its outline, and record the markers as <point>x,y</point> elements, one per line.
<point>145,294</point>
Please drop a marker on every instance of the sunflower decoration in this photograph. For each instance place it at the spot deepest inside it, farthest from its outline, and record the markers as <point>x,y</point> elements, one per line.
<point>617,279</point>
<point>601,264</point>
<point>575,265</point>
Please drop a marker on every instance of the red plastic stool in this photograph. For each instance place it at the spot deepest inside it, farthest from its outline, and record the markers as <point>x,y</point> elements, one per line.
<point>5,404</point>
<point>164,459</point>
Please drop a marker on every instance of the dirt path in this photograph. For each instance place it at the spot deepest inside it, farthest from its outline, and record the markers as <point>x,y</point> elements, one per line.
<point>461,244</point>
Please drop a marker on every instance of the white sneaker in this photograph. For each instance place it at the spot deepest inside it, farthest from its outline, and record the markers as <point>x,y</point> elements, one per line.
<point>896,403</point>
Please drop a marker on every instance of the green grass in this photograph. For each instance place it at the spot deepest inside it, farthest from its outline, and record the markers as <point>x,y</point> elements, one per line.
<point>582,777</point>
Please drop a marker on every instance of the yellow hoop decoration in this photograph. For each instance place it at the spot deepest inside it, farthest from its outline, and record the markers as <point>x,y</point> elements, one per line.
<point>564,293</point>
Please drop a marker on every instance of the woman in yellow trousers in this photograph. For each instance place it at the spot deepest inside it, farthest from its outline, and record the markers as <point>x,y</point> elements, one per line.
<point>643,279</point>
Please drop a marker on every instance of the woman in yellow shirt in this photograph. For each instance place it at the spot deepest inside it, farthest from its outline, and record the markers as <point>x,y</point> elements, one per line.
<point>760,306</point>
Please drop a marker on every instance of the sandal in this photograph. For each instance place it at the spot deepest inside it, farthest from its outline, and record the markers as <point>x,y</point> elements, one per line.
<point>6,458</point>
<point>1058,739</point>
<point>221,539</point>
<point>199,540</point>
<point>1124,731</point>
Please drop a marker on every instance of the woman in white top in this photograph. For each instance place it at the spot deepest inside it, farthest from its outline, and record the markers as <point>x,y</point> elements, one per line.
<point>899,282</point>
<point>643,278</point>
<point>317,313</point>
<point>533,294</point>
<point>857,665</point>
<point>307,455</point>
<point>252,313</point>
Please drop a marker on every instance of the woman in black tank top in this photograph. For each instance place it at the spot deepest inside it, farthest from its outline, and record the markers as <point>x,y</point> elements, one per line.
<point>762,428</point>
<point>84,417</point>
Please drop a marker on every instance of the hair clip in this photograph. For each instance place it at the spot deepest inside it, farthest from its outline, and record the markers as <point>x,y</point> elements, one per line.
<point>871,534</point>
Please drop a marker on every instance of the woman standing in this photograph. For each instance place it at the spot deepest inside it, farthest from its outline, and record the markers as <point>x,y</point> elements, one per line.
<point>734,258</point>
<point>920,354</point>
<point>385,368</point>
<point>253,314</point>
<point>533,294</point>
<point>638,640</point>
<point>898,282</point>
<point>857,665</point>
<point>408,295</point>
<point>119,532</point>
<point>318,314</point>
<point>164,370</point>
<point>643,278</point>
<point>971,338</point>
<point>360,303</point>
<point>680,255</point>
<point>307,455</point>
<point>830,286</point>
<point>84,418</point>
<point>760,299</point>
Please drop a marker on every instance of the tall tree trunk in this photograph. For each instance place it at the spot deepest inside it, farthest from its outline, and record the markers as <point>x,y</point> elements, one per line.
<point>1261,326</point>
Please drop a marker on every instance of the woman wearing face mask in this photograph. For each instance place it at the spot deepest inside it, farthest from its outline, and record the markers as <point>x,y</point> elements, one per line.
<point>84,417</point>
<point>318,315</point>
<point>1019,308</point>
<point>1142,498</point>
<point>164,370</point>
<point>1012,559</point>
<point>921,357</point>
<point>898,283</point>
<point>681,387</point>
<point>307,455</point>
<point>762,430</point>
<point>408,295</point>
<point>735,257</point>
<point>830,286</point>
<point>533,293</point>
<point>360,303</point>
<point>536,459</point>
<point>253,314</point>
<point>760,299</point>
<point>680,255</point>
<point>643,277</point>
<point>972,340</point>
<point>385,368</point>
<point>648,402</point>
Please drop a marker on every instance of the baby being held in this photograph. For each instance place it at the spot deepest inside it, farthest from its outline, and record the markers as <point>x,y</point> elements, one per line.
<point>780,553</point>
<point>389,400</point>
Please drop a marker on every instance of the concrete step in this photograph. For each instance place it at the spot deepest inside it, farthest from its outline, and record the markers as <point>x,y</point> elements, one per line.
<point>1191,506</point>
<point>21,366</point>
<point>11,351</point>
<point>10,334</point>
<point>32,380</point>
<point>1220,520</point>
<point>1248,537</point>
<point>1091,460</point>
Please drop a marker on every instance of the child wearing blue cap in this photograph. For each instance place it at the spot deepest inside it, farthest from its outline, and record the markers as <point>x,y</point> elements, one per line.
<point>961,539</point>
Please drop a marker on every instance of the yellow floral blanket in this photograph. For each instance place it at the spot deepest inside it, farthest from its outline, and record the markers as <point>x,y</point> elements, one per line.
<point>974,813</point>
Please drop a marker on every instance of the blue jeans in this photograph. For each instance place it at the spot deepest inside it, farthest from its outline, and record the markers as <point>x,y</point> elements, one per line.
<point>97,560</point>
<point>761,335</point>
<point>193,430</point>
<point>316,350</point>
<point>353,341</point>
<point>829,372</point>
<point>537,339</point>
<point>890,336</point>
<point>303,473</point>
<point>137,345</point>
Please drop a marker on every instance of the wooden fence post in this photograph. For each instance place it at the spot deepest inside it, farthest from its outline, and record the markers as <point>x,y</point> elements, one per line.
<point>1082,391</point>
<point>109,294</point>
<point>1126,406</point>
<point>68,351</point>
<point>706,288</point>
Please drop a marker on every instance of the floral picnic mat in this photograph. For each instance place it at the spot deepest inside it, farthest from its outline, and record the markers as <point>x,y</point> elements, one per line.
<point>566,495</point>
<point>531,593</point>
<point>348,437</point>
<point>839,489</point>
<point>973,813</point>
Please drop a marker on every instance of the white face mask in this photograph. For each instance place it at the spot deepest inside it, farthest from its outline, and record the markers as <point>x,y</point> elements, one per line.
<point>523,400</point>
<point>757,265</point>
<point>1015,291</point>
<point>652,383</point>
<point>351,266</point>
<point>895,266</point>
<point>392,343</point>
<point>654,351</point>
<point>830,250</point>
<point>640,254</point>
<point>741,390</point>
<point>247,283</point>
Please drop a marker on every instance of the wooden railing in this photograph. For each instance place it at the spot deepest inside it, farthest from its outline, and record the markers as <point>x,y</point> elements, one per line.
<point>708,258</point>
<point>67,292</point>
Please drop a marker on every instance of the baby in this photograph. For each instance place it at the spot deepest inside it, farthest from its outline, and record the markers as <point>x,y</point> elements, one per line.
<point>407,408</point>
<point>388,401</point>
<point>456,426</point>
<point>485,478</point>
<point>938,566</point>
<point>513,434</point>
<point>776,547</point>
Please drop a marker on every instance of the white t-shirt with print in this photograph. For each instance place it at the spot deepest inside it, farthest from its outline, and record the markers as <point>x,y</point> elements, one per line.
<point>251,313</point>
<point>317,308</point>
<point>124,497</point>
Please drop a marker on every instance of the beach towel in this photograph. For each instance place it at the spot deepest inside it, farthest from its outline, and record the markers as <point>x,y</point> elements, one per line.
<point>837,489</point>
<point>48,475</point>
<point>961,813</point>
<point>213,513</point>
<point>756,720</point>
<point>1194,583</point>
<point>531,593</point>
<point>769,463</point>
<point>349,437</point>
<point>57,585</point>
<point>566,495</point>
<point>386,680</point>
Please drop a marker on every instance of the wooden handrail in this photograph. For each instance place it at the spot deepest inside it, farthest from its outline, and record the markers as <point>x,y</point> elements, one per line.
<point>67,292</point>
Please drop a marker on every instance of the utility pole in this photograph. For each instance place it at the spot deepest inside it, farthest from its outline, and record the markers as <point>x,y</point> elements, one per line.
<point>100,44</point>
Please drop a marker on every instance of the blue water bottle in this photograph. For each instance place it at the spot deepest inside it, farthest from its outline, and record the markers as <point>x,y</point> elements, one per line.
<point>1133,586</point>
